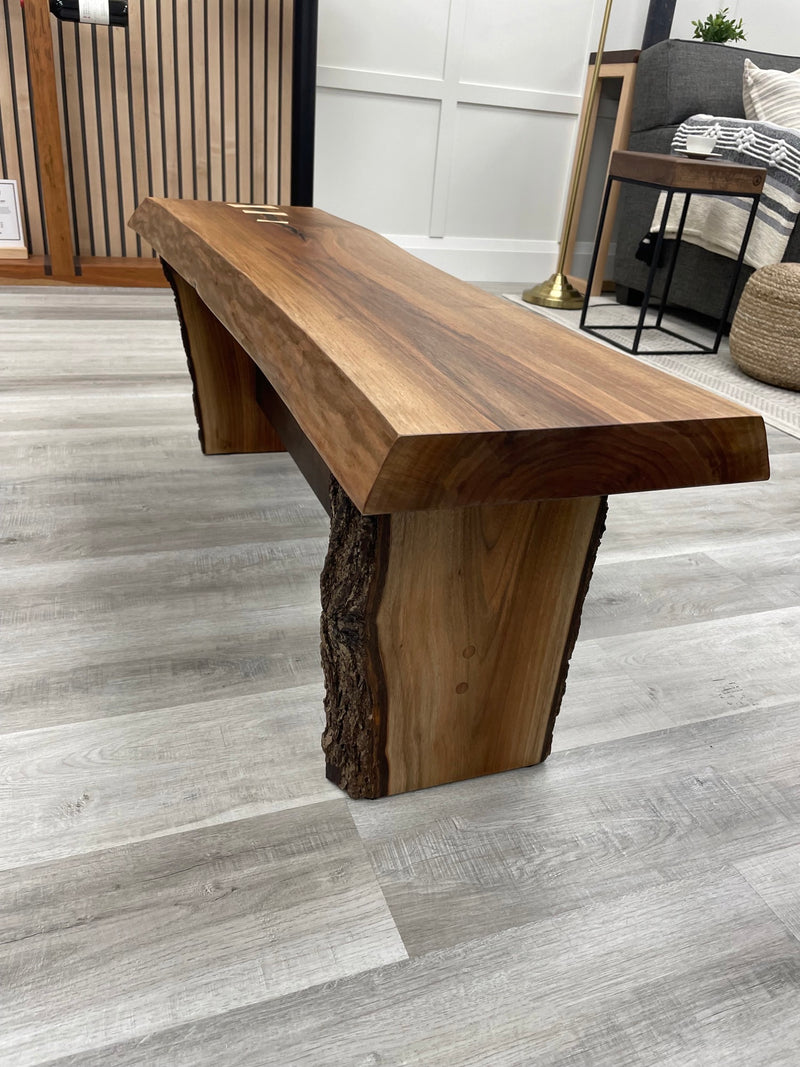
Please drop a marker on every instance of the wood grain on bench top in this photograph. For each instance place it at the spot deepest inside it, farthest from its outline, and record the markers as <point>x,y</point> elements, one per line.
<point>420,391</point>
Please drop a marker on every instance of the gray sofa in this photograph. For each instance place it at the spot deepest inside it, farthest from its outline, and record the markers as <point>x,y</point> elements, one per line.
<point>676,79</point>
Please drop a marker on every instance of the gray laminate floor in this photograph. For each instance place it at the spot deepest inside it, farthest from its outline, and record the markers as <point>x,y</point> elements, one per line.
<point>180,885</point>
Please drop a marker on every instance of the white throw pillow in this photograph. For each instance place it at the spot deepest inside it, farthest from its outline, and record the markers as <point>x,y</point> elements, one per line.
<point>771,95</point>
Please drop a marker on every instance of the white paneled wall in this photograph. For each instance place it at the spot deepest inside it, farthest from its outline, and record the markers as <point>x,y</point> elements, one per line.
<point>450,124</point>
<point>507,174</point>
<point>525,45</point>
<point>375,158</point>
<point>626,28</point>
<point>406,37</point>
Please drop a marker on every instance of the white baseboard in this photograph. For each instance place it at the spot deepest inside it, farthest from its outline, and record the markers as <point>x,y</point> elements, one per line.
<point>489,259</point>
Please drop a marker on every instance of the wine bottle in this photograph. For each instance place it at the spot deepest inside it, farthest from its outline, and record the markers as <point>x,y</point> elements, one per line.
<point>99,12</point>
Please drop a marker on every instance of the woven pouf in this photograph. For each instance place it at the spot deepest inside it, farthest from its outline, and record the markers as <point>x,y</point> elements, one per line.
<point>765,333</point>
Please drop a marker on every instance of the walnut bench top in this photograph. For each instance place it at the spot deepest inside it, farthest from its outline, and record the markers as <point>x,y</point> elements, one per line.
<point>421,391</point>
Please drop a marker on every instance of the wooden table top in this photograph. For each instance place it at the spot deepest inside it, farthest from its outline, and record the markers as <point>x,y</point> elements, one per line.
<point>682,172</point>
<point>421,391</point>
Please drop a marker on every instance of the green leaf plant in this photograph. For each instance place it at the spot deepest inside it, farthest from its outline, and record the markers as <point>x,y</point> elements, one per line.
<point>719,28</point>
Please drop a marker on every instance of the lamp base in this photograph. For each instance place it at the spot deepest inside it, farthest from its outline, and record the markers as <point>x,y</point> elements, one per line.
<point>556,292</point>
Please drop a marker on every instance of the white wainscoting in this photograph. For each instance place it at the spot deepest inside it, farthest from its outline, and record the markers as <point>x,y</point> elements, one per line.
<point>450,125</point>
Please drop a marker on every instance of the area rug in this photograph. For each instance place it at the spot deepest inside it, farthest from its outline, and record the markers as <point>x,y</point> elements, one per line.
<point>718,373</point>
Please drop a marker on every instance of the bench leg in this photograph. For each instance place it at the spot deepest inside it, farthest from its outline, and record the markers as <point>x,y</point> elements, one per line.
<point>446,638</point>
<point>225,380</point>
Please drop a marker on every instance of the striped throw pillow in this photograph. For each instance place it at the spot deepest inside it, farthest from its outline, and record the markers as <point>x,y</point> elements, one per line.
<point>771,95</point>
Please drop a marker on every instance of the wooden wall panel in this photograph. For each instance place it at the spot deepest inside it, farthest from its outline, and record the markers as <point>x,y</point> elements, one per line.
<point>183,97</point>
<point>63,118</point>
<point>167,47</point>
<point>65,51</point>
<point>198,67</point>
<point>87,138</point>
<point>227,105</point>
<point>244,156</point>
<point>214,93</point>
<point>110,176</point>
<point>17,142</point>
<point>192,99</point>
<point>285,126</point>
<point>139,152</point>
<point>272,103</point>
<point>121,121</point>
<point>197,99</point>
<point>258,116</point>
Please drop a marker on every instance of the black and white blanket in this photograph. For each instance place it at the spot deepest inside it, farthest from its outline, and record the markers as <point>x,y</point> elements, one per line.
<point>717,222</point>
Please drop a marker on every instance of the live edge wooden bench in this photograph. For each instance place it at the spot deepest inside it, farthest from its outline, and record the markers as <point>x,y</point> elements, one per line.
<point>464,448</point>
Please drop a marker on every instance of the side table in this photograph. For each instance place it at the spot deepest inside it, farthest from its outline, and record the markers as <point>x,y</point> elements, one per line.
<point>674,174</point>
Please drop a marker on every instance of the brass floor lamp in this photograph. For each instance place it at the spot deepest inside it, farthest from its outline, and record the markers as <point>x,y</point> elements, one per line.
<point>557,291</point>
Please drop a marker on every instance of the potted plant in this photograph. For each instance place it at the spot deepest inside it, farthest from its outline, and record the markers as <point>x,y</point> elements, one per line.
<point>718,28</point>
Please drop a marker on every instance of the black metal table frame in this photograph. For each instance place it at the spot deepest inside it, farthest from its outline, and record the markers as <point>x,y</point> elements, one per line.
<point>599,330</point>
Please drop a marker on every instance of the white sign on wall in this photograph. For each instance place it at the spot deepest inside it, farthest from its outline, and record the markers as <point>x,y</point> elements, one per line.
<point>12,241</point>
<point>96,11</point>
